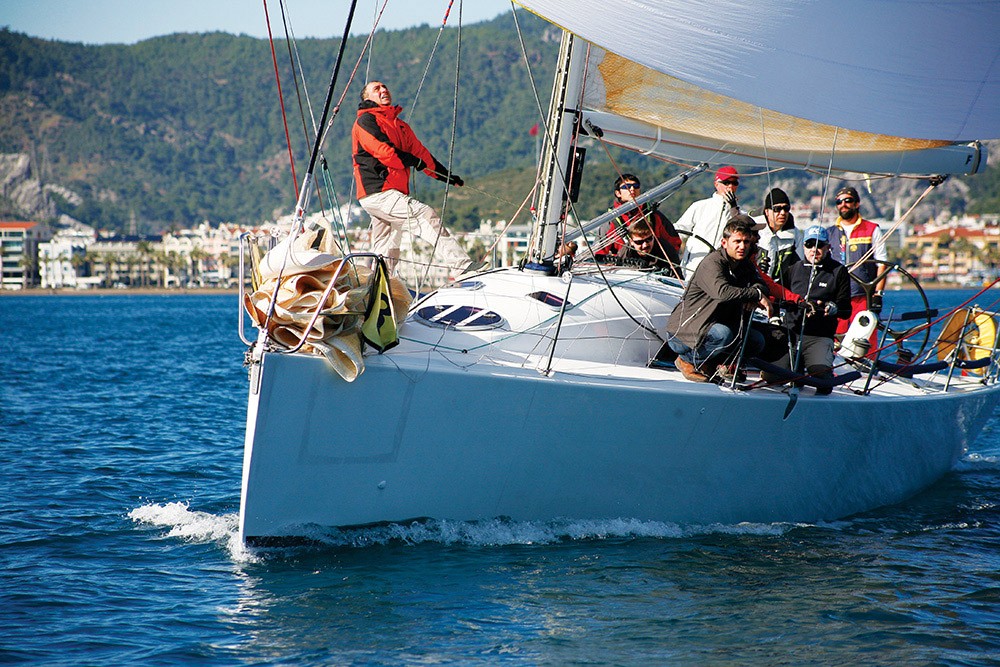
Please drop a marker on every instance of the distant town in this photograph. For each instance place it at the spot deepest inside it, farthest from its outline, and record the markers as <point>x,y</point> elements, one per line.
<point>954,251</point>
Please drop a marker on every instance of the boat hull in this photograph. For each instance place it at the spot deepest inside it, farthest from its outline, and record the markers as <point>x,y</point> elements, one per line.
<point>422,436</point>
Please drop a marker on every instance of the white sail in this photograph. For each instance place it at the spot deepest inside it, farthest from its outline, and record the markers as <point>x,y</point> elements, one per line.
<point>880,87</point>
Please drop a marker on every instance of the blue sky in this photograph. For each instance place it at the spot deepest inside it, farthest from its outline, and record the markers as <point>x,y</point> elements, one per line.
<point>129,21</point>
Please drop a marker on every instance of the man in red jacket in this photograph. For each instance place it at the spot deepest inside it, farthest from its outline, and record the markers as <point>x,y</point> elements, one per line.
<point>384,149</point>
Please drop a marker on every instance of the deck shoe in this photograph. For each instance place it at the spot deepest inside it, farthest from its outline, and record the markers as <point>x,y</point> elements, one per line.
<point>689,371</point>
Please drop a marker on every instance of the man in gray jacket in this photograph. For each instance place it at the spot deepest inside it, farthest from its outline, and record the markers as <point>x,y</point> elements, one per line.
<point>707,325</point>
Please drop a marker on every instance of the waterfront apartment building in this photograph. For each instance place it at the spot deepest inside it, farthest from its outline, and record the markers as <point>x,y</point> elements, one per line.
<point>19,253</point>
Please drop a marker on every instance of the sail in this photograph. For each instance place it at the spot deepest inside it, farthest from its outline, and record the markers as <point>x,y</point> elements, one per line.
<point>887,87</point>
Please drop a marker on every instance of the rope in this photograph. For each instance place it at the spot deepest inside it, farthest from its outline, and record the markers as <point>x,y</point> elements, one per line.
<point>871,251</point>
<point>281,99</point>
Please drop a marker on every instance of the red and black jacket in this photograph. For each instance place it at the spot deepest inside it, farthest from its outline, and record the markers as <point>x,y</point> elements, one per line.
<point>385,149</point>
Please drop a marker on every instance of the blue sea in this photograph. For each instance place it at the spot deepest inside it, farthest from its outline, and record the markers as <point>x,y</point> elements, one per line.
<point>121,426</point>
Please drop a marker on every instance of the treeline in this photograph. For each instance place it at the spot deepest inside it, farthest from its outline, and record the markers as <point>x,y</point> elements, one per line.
<point>180,129</point>
<point>183,128</point>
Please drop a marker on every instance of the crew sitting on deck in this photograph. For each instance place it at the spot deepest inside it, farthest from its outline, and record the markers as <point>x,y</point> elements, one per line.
<point>825,288</point>
<point>642,251</point>
<point>667,242</point>
<point>708,325</point>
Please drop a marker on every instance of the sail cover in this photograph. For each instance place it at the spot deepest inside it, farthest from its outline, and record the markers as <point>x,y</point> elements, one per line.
<point>889,86</point>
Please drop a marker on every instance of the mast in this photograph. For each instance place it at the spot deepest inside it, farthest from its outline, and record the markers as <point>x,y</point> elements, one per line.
<point>558,144</point>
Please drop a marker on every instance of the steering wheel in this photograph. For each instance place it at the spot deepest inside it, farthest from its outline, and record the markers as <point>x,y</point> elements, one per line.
<point>903,326</point>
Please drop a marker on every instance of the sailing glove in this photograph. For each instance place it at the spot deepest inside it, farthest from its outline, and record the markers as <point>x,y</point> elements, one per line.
<point>731,199</point>
<point>876,303</point>
<point>410,160</point>
<point>454,179</point>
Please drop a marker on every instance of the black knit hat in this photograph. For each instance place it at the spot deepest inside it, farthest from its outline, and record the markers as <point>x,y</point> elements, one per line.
<point>775,196</point>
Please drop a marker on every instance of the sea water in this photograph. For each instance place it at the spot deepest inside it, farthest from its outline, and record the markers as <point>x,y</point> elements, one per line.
<point>121,423</point>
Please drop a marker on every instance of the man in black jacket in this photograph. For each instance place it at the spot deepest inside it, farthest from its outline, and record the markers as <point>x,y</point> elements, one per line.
<point>825,288</point>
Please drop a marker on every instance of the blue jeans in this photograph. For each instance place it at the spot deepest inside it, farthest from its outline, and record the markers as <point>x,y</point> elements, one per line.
<point>721,340</point>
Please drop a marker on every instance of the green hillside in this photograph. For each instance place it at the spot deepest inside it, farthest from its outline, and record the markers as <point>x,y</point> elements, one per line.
<point>180,129</point>
<point>184,128</point>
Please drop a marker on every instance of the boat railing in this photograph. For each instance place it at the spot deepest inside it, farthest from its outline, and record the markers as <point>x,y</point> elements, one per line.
<point>247,243</point>
<point>967,348</point>
<point>347,261</point>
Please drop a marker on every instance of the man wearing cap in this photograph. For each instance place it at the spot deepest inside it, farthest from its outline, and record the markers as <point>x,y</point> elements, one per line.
<point>706,326</point>
<point>780,241</point>
<point>707,217</point>
<point>825,288</point>
<point>852,237</point>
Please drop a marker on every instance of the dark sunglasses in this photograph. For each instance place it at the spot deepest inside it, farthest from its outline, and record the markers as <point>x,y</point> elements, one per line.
<point>815,243</point>
<point>730,181</point>
<point>648,239</point>
<point>846,200</point>
<point>781,209</point>
<point>629,186</point>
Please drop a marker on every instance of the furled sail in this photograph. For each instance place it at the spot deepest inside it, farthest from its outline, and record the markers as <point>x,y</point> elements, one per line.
<point>887,87</point>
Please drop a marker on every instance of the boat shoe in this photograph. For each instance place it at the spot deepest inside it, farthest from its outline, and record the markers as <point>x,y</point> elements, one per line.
<point>689,371</point>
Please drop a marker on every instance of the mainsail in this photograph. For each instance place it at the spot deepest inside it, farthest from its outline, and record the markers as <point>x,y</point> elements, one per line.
<point>883,87</point>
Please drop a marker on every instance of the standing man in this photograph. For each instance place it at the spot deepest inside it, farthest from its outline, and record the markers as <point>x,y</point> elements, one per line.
<point>707,325</point>
<point>384,149</point>
<point>851,239</point>
<point>707,217</point>
<point>780,241</point>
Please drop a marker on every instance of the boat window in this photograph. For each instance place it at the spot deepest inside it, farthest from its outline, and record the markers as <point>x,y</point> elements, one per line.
<point>467,284</point>
<point>464,318</point>
<point>548,298</point>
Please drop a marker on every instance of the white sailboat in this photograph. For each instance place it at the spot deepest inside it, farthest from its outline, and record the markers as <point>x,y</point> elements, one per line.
<point>526,394</point>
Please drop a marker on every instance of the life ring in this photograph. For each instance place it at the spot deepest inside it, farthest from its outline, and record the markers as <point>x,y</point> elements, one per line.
<point>980,334</point>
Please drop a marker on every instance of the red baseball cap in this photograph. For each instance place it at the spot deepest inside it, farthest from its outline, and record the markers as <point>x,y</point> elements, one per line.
<point>726,172</point>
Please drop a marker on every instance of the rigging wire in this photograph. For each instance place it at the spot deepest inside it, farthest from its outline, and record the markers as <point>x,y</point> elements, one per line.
<point>451,143</point>
<point>430,58</point>
<point>289,43</point>
<point>281,98</point>
<point>338,236</point>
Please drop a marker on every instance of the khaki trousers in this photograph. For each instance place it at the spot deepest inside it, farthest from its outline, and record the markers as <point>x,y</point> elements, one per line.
<point>392,212</point>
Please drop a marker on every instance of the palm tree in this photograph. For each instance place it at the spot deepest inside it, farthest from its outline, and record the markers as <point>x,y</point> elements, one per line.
<point>227,262</point>
<point>145,249</point>
<point>197,256</point>
<point>27,263</point>
<point>77,260</point>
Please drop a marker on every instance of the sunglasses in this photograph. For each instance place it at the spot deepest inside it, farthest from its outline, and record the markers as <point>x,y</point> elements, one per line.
<point>814,243</point>
<point>629,186</point>
<point>648,239</point>
<point>781,209</point>
<point>846,200</point>
<point>730,181</point>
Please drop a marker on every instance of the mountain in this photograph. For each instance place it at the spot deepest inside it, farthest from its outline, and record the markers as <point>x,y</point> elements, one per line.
<point>184,128</point>
<point>178,129</point>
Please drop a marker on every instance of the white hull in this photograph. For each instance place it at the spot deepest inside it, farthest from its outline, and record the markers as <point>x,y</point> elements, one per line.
<point>422,434</point>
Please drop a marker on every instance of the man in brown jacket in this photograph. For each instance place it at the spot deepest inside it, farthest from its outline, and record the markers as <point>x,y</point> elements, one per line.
<point>707,325</point>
